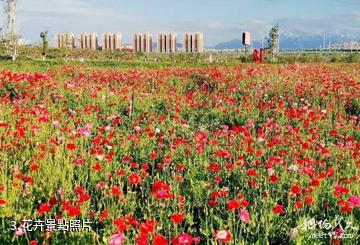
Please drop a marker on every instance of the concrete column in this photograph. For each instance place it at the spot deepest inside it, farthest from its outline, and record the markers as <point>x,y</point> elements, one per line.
<point>134,42</point>
<point>105,42</point>
<point>159,43</point>
<point>185,43</point>
<point>139,43</point>
<point>150,43</point>
<point>109,41</point>
<point>117,41</point>
<point>144,39</point>
<point>93,41</point>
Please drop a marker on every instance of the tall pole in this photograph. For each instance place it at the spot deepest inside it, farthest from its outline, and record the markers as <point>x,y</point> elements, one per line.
<point>324,43</point>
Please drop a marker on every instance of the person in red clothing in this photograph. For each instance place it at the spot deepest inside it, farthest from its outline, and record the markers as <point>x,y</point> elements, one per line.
<point>262,55</point>
<point>256,57</point>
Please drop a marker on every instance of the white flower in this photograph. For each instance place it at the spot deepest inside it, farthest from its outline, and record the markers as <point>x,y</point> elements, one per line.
<point>261,139</point>
<point>293,234</point>
<point>100,157</point>
<point>293,167</point>
<point>271,171</point>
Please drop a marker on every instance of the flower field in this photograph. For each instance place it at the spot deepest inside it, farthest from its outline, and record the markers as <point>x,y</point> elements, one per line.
<point>251,154</point>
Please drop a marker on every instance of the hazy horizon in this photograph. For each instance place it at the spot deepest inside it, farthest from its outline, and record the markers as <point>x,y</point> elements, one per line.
<point>219,20</point>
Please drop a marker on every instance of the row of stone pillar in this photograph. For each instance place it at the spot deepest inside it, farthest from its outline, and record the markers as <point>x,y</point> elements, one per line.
<point>142,42</point>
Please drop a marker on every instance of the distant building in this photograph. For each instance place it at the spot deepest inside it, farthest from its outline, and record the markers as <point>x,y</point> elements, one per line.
<point>166,42</point>
<point>142,42</point>
<point>88,41</point>
<point>65,40</point>
<point>112,41</point>
<point>351,45</point>
<point>193,42</point>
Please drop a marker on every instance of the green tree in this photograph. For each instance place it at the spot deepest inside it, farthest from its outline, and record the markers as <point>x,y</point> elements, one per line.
<point>273,41</point>
<point>11,38</point>
<point>45,43</point>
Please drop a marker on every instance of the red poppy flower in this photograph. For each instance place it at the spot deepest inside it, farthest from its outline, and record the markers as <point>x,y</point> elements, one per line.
<point>28,179</point>
<point>278,209</point>
<point>33,242</point>
<point>160,190</point>
<point>74,211</point>
<point>97,167</point>
<point>134,179</point>
<point>333,132</point>
<point>252,183</point>
<point>142,239</point>
<point>160,240</point>
<point>148,226</point>
<point>177,218</point>
<point>233,205</point>
<point>104,214</point>
<point>52,201</point>
<point>212,203</point>
<point>244,203</point>
<point>116,191</point>
<point>296,188</point>
<point>71,146</point>
<point>273,178</point>
<point>251,173</point>
<point>298,204</point>
<point>309,200</point>
<point>44,208</point>
<point>34,167</point>
<point>2,202</point>
<point>3,124</point>
<point>315,183</point>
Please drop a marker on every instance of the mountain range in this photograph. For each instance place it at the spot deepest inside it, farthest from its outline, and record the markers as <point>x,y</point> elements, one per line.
<point>294,40</point>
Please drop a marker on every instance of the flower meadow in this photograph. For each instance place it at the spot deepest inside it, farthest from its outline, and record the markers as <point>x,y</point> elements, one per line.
<point>213,155</point>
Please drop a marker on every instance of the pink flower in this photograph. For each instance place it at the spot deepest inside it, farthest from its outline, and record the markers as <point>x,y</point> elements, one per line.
<point>117,239</point>
<point>137,129</point>
<point>223,236</point>
<point>244,216</point>
<point>183,239</point>
<point>84,132</point>
<point>354,201</point>
<point>79,161</point>
<point>60,191</point>
<point>20,231</point>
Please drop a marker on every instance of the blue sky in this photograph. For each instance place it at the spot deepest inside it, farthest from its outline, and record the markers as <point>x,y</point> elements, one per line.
<point>219,20</point>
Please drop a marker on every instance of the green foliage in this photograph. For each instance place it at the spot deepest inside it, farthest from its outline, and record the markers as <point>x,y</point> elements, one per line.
<point>273,40</point>
<point>45,42</point>
<point>352,108</point>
